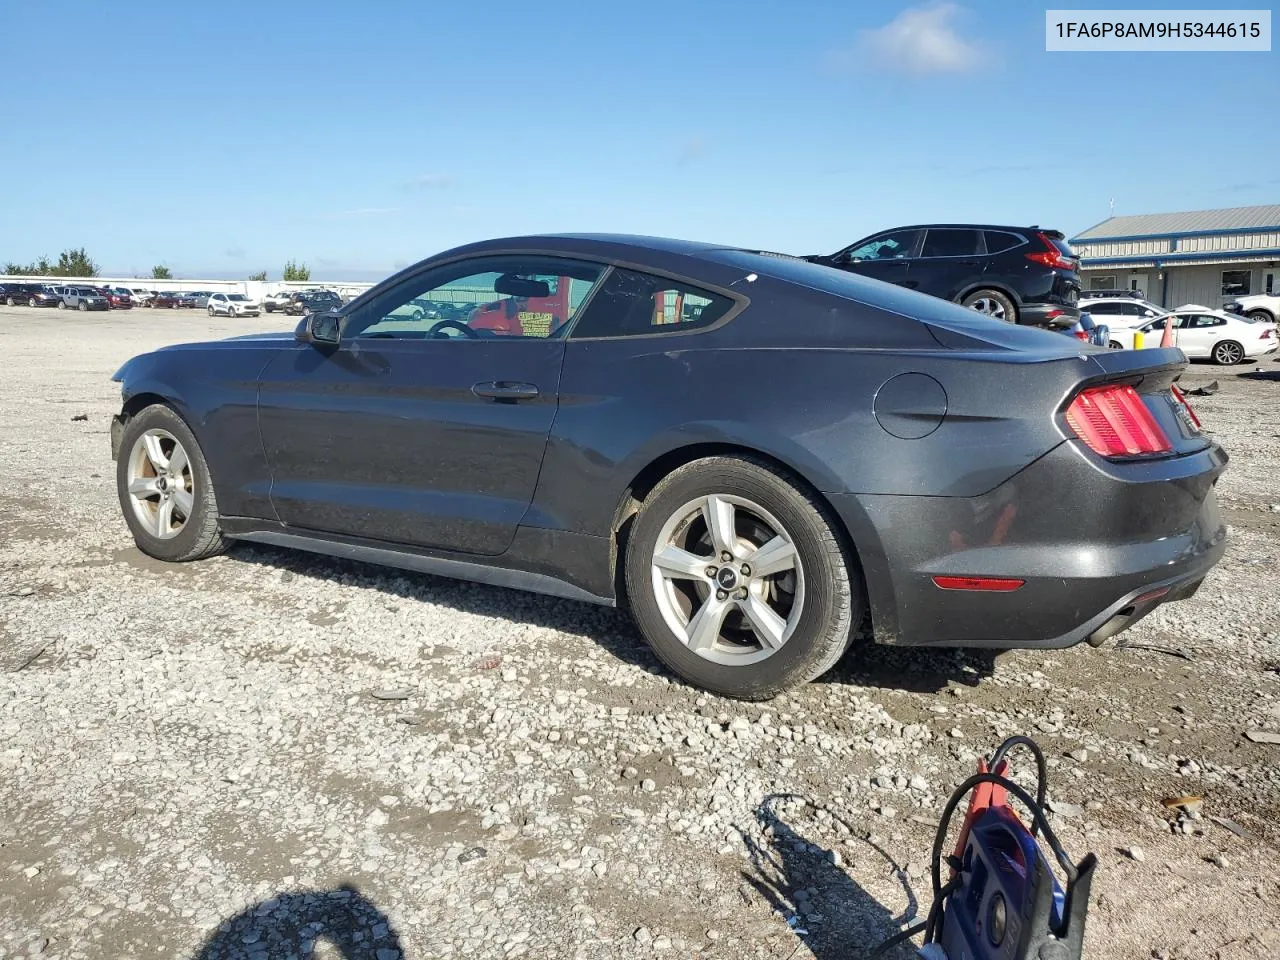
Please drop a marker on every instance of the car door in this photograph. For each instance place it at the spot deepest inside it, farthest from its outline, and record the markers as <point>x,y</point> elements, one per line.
<point>423,431</point>
<point>885,256</point>
<point>1199,333</point>
<point>950,262</point>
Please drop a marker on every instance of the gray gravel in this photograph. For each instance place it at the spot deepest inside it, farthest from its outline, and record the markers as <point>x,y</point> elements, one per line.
<point>269,754</point>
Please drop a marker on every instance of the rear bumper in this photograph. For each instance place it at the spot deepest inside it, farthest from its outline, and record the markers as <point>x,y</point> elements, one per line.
<point>1092,542</point>
<point>1039,314</point>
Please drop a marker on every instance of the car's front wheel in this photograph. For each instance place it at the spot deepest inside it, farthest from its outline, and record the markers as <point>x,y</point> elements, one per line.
<point>31,302</point>
<point>211,311</point>
<point>165,490</point>
<point>738,580</point>
<point>82,305</point>
<point>993,303</point>
<point>1261,316</point>
<point>1228,353</point>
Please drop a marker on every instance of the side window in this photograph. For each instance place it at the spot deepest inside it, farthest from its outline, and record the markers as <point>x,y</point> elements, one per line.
<point>950,243</point>
<point>998,241</point>
<point>631,304</point>
<point>494,297</point>
<point>887,246</point>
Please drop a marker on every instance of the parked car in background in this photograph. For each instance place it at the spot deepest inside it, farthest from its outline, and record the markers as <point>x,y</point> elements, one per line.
<point>1025,275</point>
<point>1087,330</point>
<point>172,300</point>
<point>232,305</point>
<point>119,298</point>
<point>376,438</point>
<point>1260,306</point>
<point>313,301</point>
<point>199,298</point>
<point>142,297</point>
<point>31,294</point>
<point>1204,333</point>
<point>83,298</point>
<point>1121,311</point>
<point>276,301</point>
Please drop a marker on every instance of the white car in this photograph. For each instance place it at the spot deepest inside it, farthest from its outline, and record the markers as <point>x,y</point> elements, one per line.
<point>1203,333</point>
<point>276,301</point>
<point>142,297</point>
<point>1121,311</point>
<point>232,305</point>
<point>1261,306</point>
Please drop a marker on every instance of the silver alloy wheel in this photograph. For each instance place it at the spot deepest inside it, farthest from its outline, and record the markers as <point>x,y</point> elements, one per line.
<point>992,308</point>
<point>161,485</point>
<point>728,580</point>
<point>1228,353</point>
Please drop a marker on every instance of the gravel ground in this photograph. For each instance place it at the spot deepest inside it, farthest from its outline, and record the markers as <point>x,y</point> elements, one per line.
<point>274,755</point>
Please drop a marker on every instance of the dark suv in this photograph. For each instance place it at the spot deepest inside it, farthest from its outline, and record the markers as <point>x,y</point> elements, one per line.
<point>312,301</point>
<point>30,294</point>
<point>1025,275</point>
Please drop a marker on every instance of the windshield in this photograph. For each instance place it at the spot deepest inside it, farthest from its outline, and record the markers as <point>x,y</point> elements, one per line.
<point>237,296</point>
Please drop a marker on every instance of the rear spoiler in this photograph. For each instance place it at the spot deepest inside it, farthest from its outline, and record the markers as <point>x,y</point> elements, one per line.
<point>1169,362</point>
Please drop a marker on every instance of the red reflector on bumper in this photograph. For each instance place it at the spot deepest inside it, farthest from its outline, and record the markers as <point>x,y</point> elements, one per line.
<point>993,584</point>
<point>1151,595</point>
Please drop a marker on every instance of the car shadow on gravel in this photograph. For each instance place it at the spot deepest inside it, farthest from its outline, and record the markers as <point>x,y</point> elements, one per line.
<point>867,664</point>
<point>291,924</point>
<point>1271,375</point>
<point>834,917</point>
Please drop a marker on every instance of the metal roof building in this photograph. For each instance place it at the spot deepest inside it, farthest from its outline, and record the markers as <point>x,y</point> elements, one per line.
<point>1201,256</point>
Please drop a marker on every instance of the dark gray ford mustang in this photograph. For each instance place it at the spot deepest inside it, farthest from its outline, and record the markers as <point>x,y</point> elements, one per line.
<point>751,451</point>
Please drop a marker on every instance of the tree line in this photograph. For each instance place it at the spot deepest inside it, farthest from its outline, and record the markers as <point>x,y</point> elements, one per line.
<point>78,263</point>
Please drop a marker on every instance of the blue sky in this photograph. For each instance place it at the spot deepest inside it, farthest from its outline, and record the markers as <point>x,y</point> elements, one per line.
<point>225,138</point>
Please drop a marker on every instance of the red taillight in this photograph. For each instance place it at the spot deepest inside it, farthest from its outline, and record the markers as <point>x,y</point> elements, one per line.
<point>991,584</point>
<point>1051,256</point>
<point>1266,334</point>
<point>1114,422</point>
<point>1082,335</point>
<point>1182,399</point>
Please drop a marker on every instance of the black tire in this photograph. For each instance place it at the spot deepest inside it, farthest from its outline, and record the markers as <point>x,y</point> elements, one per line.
<point>62,304</point>
<point>833,597</point>
<point>32,302</point>
<point>1261,316</point>
<point>1227,353</point>
<point>1115,345</point>
<point>995,297</point>
<point>200,537</point>
<point>10,302</point>
<point>268,307</point>
<point>82,305</point>
<point>211,312</point>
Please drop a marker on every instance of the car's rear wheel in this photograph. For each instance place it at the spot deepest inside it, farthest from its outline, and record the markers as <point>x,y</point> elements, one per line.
<point>1116,345</point>
<point>993,303</point>
<point>165,490</point>
<point>738,580</point>
<point>10,302</point>
<point>1261,316</point>
<point>1228,353</point>
<point>32,302</point>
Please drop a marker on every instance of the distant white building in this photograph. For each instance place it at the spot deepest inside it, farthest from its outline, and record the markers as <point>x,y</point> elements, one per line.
<point>1205,256</point>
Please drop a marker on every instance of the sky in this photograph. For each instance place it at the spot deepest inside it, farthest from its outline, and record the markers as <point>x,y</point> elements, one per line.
<point>224,138</point>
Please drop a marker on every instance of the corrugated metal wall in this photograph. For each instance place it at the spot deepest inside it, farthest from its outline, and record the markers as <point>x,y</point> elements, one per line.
<point>1199,284</point>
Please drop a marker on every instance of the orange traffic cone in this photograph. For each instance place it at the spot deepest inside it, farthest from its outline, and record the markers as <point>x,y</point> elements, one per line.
<point>1167,339</point>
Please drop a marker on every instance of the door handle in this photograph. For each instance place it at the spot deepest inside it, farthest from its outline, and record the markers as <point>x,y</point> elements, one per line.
<point>505,390</point>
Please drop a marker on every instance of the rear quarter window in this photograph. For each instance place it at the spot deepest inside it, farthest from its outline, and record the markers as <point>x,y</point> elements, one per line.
<point>631,304</point>
<point>998,241</point>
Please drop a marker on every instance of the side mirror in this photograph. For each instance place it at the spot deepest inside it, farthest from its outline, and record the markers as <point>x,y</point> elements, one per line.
<point>320,328</point>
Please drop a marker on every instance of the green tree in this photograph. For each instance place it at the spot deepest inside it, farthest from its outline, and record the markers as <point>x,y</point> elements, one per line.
<point>260,275</point>
<point>75,263</point>
<point>41,268</point>
<point>161,273</point>
<point>297,271</point>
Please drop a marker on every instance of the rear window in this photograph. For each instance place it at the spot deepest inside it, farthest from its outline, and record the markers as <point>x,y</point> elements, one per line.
<point>949,243</point>
<point>635,304</point>
<point>998,241</point>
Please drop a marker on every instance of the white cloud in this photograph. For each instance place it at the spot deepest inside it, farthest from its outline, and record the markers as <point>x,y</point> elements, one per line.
<point>922,40</point>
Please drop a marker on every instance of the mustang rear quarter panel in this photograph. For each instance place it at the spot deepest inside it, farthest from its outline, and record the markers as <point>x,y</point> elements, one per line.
<point>215,389</point>
<point>626,402</point>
